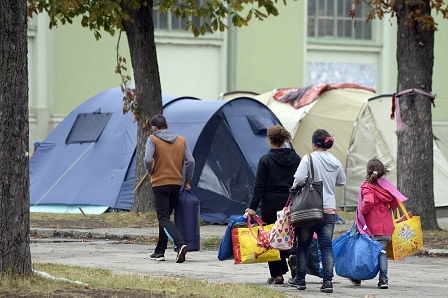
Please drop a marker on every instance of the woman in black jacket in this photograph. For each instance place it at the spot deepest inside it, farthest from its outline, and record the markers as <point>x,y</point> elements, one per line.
<point>274,177</point>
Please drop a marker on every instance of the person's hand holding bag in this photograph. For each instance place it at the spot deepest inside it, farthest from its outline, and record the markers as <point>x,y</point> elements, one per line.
<point>252,213</point>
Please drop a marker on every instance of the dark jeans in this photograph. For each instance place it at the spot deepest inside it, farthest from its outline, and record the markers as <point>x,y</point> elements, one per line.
<point>165,200</point>
<point>324,233</point>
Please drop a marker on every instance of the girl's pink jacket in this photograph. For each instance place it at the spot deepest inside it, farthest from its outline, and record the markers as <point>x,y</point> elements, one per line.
<point>376,209</point>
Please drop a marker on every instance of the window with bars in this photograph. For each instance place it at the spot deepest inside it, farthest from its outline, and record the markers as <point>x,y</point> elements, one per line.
<point>331,19</point>
<point>169,22</point>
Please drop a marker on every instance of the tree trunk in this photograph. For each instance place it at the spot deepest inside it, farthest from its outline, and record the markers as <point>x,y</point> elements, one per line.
<point>415,164</point>
<point>140,34</point>
<point>15,255</point>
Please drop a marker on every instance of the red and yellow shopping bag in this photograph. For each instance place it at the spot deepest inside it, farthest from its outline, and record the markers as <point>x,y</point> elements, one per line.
<point>245,247</point>
<point>407,238</point>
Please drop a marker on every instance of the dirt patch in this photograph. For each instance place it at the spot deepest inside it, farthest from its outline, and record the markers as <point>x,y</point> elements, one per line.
<point>97,293</point>
<point>84,223</point>
<point>437,239</point>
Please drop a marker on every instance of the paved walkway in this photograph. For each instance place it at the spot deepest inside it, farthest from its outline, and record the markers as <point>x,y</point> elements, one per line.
<point>410,277</point>
<point>206,231</point>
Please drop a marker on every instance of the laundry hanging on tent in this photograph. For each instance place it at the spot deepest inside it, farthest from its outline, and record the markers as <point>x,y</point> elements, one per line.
<point>299,97</point>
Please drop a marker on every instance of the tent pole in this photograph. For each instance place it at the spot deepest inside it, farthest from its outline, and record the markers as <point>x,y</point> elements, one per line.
<point>352,136</point>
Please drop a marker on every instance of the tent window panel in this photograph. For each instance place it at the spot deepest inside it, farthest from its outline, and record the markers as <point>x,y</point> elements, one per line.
<point>87,127</point>
<point>223,171</point>
<point>258,126</point>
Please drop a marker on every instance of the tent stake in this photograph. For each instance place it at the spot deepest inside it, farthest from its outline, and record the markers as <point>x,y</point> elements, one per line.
<point>141,181</point>
<point>82,211</point>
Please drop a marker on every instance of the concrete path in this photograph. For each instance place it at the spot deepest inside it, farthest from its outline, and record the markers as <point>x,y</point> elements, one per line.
<point>411,277</point>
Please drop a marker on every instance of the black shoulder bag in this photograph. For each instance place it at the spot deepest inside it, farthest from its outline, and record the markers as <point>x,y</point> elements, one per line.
<point>307,203</point>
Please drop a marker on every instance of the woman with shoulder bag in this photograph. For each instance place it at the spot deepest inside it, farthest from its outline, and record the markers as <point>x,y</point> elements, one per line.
<point>271,188</point>
<point>329,170</point>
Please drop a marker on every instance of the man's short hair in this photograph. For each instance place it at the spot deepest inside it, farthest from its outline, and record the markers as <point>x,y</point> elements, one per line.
<point>158,121</point>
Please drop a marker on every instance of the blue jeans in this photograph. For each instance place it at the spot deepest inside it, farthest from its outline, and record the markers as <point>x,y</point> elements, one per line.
<point>382,261</point>
<point>324,233</point>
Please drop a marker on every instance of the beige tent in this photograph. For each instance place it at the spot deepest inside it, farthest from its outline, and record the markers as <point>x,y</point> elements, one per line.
<point>360,122</point>
<point>440,130</point>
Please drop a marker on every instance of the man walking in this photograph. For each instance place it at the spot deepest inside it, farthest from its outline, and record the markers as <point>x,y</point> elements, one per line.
<point>166,154</point>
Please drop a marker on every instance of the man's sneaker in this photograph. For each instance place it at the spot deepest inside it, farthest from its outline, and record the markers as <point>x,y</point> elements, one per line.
<point>355,282</point>
<point>181,254</point>
<point>292,265</point>
<point>300,284</point>
<point>157,256</point>
<point>327,286</point>
<point>382,284</point>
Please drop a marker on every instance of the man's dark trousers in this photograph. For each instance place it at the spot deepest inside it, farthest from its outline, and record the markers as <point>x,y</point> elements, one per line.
<point>165,199</point>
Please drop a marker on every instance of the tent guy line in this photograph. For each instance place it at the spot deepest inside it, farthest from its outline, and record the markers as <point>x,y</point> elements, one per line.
<point>73,164</point>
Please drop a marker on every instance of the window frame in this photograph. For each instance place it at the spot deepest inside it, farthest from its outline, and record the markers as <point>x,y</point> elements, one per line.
<point>334,38</point>
<point>171,18</point>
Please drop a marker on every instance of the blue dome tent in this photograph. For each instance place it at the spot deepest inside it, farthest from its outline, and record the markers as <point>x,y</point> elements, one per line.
<point>84,161</point>
<point>227,139</point>
<point>88,160</point>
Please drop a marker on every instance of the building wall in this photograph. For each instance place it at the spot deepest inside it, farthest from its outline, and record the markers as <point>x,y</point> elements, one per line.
<point>67,66</point>
<point>187,65</point>
<point>271,53</point>
<point>83,66</point>
<point>439,78</point>
<point>40,70</point>
<point>193,66</point>
<point>276,53</point>
<point>363,62</point>
<point>440,86</point>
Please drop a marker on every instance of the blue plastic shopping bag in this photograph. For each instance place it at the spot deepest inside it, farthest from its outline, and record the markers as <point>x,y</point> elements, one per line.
<point>356,255</point>
<point>314,266</point>
<point>225,250</point>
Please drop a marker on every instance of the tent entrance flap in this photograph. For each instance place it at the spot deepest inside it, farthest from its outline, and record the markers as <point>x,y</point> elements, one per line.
<point>87,127</point>
<point>224,174</point>
<point>257,126</point>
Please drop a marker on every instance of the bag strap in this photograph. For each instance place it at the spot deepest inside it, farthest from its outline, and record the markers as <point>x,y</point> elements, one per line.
<point>398,214</point>
<point>403,209</point>
<point>360,220</point>
<point>249,225</point>
<point>310,168</point>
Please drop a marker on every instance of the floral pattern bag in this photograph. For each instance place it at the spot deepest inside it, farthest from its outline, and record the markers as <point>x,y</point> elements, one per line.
<point>407,238</point>
<point>282,233</point>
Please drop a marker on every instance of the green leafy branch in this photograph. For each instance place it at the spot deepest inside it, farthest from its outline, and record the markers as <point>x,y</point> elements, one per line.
<point>378,8</point>
<point>131,96</point>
